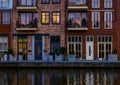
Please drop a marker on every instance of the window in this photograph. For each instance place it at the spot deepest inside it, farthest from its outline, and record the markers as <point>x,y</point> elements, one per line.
<point>3,3</point>
<point>75,44</point>
<point>77,20</point>
<point>3,44</point>
<point>77,2</point>
<point>6,17</point>
<point>27,2</point>
<point>95,20</point>
<point>28,20</point>
<point>95,3</point>
<point>45,1</point>
<point>104,46</point>
<point>108,3</point>
<point>56,1</point>
<point>56,18</point>
<point>45,18</point>
<point>54,43</point>
<point>22,45</point>
<point>108,20</point>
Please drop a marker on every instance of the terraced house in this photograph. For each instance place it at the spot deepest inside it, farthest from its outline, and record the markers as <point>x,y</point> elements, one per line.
<point>92,28</point>
<point>5,24</point>
<point>38,25</point>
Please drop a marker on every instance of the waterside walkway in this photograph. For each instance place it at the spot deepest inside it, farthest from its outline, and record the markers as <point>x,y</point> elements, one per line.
<point>61,64</point>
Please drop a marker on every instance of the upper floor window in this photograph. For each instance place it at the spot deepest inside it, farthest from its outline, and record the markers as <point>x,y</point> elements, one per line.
<point>108,20</point>
<point>108,3</point>
<point>3,3</point>
<point>45,17</point>
<point>27,2</point>
<point>28,20</point>
<point>95,20</point>
<point>6,17</point>
<point>56,17</point>
<point>56,1</point>
<point>45,1</point>
<point>77,2</point>
<point>95,3</point>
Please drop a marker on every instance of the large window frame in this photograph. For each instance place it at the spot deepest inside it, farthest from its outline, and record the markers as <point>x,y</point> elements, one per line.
<point>96,20</point>
<point>104,46</point>
<point>45,1</point>
<point>3,43</point>
<point>95,3</point>
<point>4,3</point>
<point>108,3</point>
<point>56,1</point>
<point>56,17</point>
<point>74,43</point>
<point>6,18</point>
<point>108,20</point>
<point>45,18</point>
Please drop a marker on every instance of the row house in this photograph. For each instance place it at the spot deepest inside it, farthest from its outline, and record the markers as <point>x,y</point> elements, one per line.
<point>38,26</point>
<point>5,24</point>
<point>91,28</point>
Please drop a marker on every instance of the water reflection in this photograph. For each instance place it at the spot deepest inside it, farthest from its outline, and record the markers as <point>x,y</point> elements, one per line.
<point>59,77</point>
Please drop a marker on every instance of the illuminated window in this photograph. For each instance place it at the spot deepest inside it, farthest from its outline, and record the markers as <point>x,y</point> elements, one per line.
<point>22,45</point>
<point>45,18</point>
<point>56,18</point>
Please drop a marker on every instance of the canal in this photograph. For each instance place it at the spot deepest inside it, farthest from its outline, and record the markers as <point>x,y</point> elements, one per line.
<point>49,76</point>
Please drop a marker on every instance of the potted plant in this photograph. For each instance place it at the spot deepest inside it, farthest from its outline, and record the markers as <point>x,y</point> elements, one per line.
<point>71,56</point>
<point>10,54</point>
<point>30,57</point>
<point>58,56</point>
<point>50,57</point>
<point>20,56</point>
<point>113,56</point>
<point>63,52</point>
<point>5,58</point>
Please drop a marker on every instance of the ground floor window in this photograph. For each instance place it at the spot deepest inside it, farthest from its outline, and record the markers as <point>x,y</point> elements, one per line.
<point>3,44</point>
<point>54,43</point>
<point>104,46</point>
<point>22,45</point>
<point>75,44</point>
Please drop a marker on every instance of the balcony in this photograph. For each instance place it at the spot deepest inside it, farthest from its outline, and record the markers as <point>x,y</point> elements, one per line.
<point>78,4</point>
<point>26,27</point>
<point>27,6</point>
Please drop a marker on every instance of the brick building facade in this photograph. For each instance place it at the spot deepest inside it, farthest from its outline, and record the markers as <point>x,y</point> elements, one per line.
<point>38,26</point>
<point>94,37</point>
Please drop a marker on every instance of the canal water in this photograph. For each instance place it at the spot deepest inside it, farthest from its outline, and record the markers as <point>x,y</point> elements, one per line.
<point>40,76</point>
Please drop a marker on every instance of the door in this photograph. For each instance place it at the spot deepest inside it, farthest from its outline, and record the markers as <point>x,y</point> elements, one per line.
<point>38,47</point>
<point>89,48</point>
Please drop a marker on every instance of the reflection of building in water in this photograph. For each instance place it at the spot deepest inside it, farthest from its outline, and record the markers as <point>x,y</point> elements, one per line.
<point>89,80</point>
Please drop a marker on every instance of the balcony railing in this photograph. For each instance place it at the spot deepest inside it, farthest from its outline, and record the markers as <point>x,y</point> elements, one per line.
<point>25,27</point>
<point>77,4</point>
<point>77,26</point>
<point>30,5</point>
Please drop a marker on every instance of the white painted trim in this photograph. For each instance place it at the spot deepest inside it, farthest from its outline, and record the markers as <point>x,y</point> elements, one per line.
<point>33,47</point>
<point>43,47</point>
<point>97,10</point>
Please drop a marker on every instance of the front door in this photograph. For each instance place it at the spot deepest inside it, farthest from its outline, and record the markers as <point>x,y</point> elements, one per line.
<point>89,48</point>
<point>38,47</point>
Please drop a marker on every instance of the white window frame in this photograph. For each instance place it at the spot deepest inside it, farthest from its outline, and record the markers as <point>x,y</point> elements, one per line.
<point>104,43</point>
<point>95,3</point>
<point>94,15</point>
<point>4,40</point>
<point>74,43</point>
<point>108,18</point>
<point>4,3</point>
<point>107,4</point>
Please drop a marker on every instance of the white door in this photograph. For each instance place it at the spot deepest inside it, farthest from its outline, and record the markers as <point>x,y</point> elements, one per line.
<point>90,48</point>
